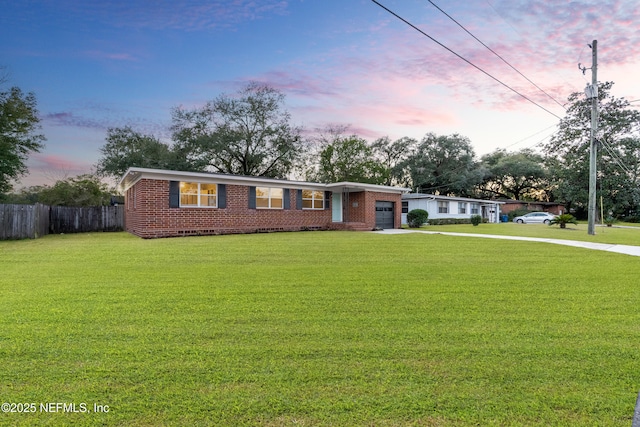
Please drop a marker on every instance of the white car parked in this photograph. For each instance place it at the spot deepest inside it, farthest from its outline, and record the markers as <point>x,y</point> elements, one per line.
<point>534,218</point>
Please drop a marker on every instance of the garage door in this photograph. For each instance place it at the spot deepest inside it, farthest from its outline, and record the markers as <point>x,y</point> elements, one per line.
<point>384,215</point>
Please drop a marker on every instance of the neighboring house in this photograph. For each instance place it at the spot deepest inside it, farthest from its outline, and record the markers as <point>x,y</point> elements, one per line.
<point>450,207</point>
<point>551,207</point>
<point>164,203</point>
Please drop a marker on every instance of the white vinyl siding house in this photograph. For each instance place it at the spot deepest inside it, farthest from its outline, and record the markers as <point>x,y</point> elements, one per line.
<point>450,207</point>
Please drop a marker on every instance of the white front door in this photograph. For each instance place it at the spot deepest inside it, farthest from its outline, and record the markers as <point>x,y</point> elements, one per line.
<point>336,207</point>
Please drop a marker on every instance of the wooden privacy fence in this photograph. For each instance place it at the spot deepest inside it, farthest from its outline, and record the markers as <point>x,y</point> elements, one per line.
<point>23,221</point>
<point>81,220</point>
<point>33,221</point>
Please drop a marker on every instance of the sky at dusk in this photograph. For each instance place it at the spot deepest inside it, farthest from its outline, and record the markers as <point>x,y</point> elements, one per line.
<point>99,64</point>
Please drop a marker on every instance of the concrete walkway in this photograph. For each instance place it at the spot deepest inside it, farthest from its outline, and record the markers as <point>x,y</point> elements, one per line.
<point>621,249</point>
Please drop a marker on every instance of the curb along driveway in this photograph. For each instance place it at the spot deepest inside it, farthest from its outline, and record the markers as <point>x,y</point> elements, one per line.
<point>621,249</point>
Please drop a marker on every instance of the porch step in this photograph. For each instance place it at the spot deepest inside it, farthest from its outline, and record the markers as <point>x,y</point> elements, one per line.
<point>353,226</point>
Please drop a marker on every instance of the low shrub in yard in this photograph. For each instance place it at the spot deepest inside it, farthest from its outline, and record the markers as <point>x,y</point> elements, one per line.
<point>417,218</point>
<point>563,220</point>
<point>453,221</point>
<point>449,221</point>
<point>476,219</point>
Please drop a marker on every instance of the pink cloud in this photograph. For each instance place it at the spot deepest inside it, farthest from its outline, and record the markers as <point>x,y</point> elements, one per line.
<point>546,50</point>
<point>68,118</point>
<point>299,83</point>
<point>104,118</point>
<point>58,162</point>
<point>48,168</point>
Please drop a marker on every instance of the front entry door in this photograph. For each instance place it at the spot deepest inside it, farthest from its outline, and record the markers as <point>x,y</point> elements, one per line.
<point>336,207</point>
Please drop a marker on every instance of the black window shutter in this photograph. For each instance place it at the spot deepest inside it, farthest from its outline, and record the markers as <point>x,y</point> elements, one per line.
<point>222,196</point>
<point>286,199</point>
<point>299,200</point>
<point>174,194</point>
<point>252,197</point>
<point>327,197</point>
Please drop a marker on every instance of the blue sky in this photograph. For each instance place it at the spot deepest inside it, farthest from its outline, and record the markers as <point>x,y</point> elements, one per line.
<point>100,64</point>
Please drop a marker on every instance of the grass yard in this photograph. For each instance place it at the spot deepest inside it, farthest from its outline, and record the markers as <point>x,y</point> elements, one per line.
<point>629,235</point>
<point>317,329</point>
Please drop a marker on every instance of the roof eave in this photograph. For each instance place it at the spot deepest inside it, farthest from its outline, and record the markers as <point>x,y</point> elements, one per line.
<point>134,174</point>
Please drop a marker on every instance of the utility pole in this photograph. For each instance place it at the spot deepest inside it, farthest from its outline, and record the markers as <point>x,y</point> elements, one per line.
<point>594,143</point>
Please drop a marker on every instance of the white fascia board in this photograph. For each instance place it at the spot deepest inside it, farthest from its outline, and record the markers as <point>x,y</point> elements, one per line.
<point>358,186</point>
<point>415,196</point>
<point>134,174</point>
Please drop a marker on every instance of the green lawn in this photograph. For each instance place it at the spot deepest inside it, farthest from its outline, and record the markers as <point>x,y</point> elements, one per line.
<point>318,329</point>
<point>627,235</point>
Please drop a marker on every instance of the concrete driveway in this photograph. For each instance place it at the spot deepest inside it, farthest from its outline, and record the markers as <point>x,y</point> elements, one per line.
<point>621,249</point>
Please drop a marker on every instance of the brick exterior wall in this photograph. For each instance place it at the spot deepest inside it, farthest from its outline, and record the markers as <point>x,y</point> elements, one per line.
<point>361,207</point>
<point>148,215</point>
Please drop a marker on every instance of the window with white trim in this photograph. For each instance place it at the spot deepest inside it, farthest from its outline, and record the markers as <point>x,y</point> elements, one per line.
<point>462,207</point>
<point>443,207</point>
<point>312,199</point>
<point>269,198</point>
<point>475,209</point>
<point>196,194</point>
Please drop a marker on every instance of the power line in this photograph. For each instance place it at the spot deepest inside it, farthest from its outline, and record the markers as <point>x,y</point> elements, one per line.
<point>464,59</point>
<point>531,136</point>
<point>616,158</point>
<point>496,54</point>
<point>502,17</point>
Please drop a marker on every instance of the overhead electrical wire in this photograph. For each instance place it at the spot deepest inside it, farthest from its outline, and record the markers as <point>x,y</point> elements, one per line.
<point>496,54</point>
<point>464,59</point>
<point>531,136</point>
<point>502,17</point>
<point>616,158</point>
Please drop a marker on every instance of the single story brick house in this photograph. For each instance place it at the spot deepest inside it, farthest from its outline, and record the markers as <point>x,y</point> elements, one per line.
<point>552,207</point>
<point>165,203</point>
<point>450,207</point>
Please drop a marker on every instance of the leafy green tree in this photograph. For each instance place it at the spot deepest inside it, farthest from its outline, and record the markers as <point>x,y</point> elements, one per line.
<point>247,134</point>
<point>443,164</point>
<point>19,125</point>
<point>519,176</point>
<point>567,153</point>
<point>82,190</point>
<point>25,196</point>
<point>348,159</point>
<point>125,148</point>
<point>392,156</point>
<point>620,176</point>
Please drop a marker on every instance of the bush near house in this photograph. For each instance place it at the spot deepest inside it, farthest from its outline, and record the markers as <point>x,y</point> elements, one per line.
<point>476,219</point>
<point>453,221</point>
<point>417,218</point>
